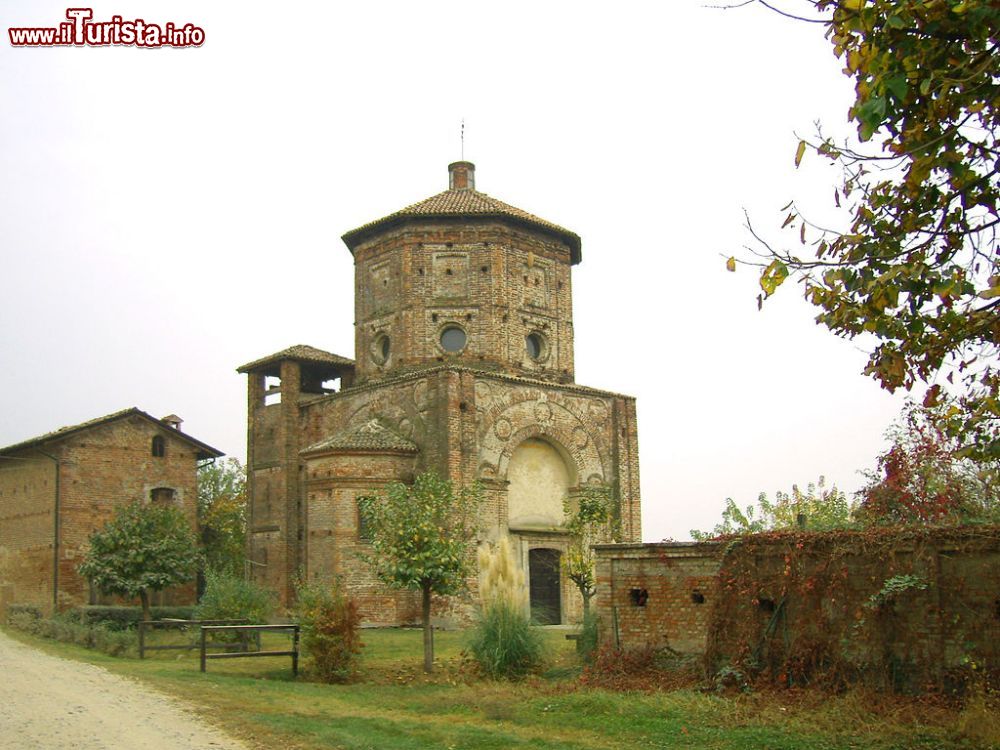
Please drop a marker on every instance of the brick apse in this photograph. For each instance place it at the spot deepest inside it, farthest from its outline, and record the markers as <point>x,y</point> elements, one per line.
<point>463,364</point>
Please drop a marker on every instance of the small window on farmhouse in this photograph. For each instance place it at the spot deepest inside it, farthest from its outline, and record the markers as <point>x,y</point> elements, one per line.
<point>697,597</point>
<point>159,448</point>
<point>364,523</point>
<point>162,495</point>
<point>639,597</point>
<point>766,605</point>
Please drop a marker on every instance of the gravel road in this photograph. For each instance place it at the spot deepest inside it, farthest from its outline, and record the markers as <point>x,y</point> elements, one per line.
<point>48,703</point>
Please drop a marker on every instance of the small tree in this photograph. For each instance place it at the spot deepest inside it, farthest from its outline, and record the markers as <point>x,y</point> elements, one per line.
<point>222,515</point>
<point>816,509</point>
<point>590,520</point>
<point>421,537</point>
<point>924,478</point>
<point>142,548</point>
<point>915,262</point>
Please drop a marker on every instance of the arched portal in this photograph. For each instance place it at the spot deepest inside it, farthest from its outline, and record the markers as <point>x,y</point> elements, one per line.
<point>538,482</point>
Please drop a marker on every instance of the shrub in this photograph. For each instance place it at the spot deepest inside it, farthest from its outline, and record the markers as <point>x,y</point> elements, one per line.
<point>72,627</point>
<point>24,621</point>
<point>586,644</point>
<point>330,630</point>
<point>128,618</point>
<point>28,610</point>
<point>503,643</point>
<point>228,597</point>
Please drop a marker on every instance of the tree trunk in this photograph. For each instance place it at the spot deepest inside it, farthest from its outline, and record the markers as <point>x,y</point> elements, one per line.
<point>144,598</point>
<point>587,596</point>
<point>428,630</point>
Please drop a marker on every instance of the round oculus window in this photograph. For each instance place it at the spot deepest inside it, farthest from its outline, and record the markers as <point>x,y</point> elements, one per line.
<point>453,339</point>
<point>381,349</point>
<point>535,344</point>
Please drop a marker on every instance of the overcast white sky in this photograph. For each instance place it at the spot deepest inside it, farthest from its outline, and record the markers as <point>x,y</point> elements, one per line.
<point>167,215</point>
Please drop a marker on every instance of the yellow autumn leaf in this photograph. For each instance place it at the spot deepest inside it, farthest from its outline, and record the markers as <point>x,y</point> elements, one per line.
<point>852,4</point>
<point>731,265</point>
<point>799,152</point>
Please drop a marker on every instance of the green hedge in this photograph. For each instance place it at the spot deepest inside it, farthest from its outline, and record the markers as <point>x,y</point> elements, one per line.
<point>69,628</point>
<point>127,618</point>
<point>23,610</point>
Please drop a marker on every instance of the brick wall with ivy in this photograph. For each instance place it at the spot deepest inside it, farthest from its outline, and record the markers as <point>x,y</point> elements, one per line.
<point>911,610</point>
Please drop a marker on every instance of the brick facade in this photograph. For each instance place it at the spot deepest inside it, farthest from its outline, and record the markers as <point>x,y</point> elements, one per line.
<point>658,595</point>
<point>55,491</point>
<point>501,391</point>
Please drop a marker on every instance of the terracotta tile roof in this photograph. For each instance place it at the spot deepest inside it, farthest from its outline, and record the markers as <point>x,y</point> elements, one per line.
<point>204,450</point>
<point>300,353</point>
<point>463,202</point>
<point>370,436</point>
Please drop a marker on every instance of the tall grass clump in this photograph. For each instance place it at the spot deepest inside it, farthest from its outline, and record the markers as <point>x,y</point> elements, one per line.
<point>503,642</point>
<point>331,626</point>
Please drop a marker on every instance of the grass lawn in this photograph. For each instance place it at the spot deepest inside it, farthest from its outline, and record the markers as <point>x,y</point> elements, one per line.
<point>394,705</point>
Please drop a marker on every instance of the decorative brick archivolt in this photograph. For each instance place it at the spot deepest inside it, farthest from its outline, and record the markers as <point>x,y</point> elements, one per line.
<point>510,415</point>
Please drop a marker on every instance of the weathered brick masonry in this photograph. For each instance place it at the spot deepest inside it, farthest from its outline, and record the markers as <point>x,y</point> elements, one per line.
<point>658,595</point>
<point>792,605</point>
<point>464,365</point>
<point>57,489</point>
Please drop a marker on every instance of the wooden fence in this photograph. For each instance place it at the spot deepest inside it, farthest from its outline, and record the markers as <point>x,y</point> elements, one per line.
<point>207,630</point>
<point>173,624</point>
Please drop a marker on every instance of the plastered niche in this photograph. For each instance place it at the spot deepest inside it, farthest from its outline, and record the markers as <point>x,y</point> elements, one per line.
<point>539,481</point>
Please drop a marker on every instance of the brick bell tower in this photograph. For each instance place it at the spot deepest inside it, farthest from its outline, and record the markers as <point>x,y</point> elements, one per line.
<point>463,278</point>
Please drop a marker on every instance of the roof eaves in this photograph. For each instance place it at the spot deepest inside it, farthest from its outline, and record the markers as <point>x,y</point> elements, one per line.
<point>206,451</point>
<point>298,353</point>
<point>503,212</point>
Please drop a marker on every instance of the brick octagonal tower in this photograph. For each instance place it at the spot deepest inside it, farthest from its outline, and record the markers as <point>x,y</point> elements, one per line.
<point>463,364</point>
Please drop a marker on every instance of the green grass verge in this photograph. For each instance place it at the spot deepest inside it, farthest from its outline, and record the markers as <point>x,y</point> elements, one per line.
<point>392,704</point>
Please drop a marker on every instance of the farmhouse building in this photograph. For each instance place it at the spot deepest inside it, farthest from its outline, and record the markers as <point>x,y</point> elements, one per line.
<point>463,364</point>
<point>58,488</point>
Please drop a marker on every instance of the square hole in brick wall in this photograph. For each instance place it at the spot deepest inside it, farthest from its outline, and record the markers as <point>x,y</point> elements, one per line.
<point>638,597</point>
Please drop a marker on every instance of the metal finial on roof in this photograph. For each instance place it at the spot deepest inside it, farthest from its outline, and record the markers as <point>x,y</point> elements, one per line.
<point>463,139</point>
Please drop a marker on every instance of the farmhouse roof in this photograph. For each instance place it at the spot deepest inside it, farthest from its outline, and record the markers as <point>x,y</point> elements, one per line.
<point>204,450</point>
